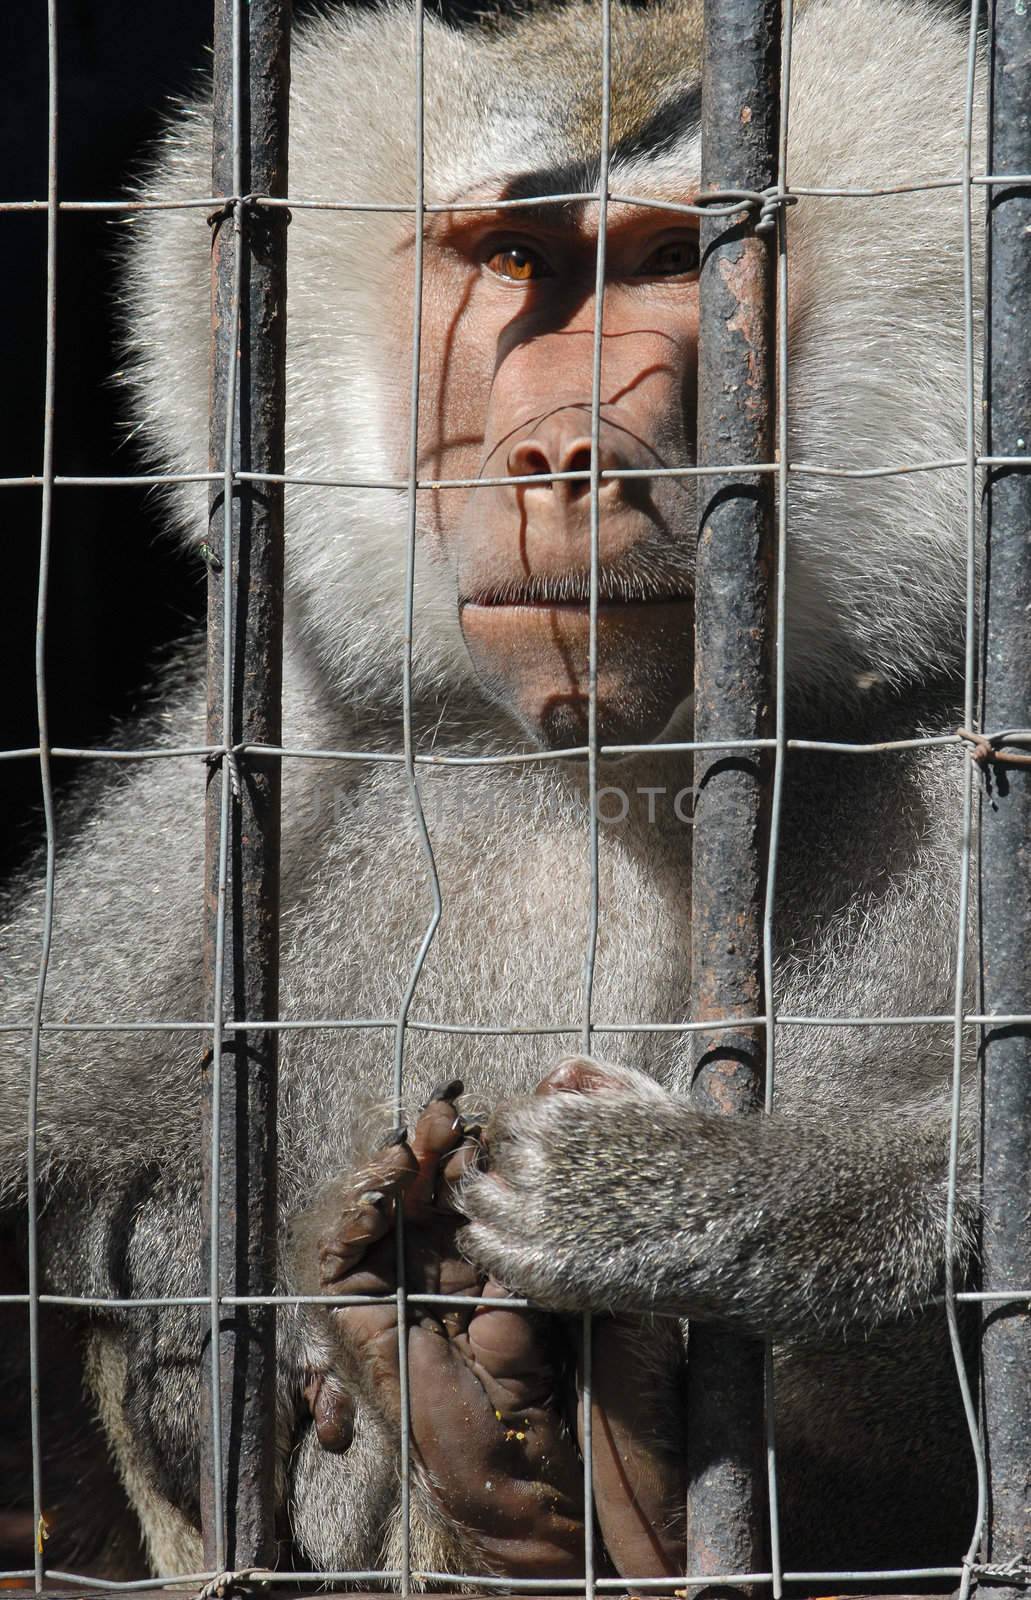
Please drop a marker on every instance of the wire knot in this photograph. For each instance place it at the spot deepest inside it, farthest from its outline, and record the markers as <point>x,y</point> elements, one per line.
<point>986,748</point>
<point>767,202</point>
<point>244,206</point>
<point>227,753</point>
<point>774,200</point>
<point>1016,1571</point>
<point>221,213</point>
<point>240,1581</point>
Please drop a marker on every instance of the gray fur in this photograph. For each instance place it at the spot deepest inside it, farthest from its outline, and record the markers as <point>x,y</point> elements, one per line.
<point>824,1224</point>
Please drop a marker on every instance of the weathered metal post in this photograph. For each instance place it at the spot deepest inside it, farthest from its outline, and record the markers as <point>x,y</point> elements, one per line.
<point>1006,806</point>
<point>245,624</point>
<point>726,1501</point>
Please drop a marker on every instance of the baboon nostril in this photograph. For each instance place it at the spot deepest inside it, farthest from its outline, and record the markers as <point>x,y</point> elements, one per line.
<point>529,459</point>
<point>578,459</point>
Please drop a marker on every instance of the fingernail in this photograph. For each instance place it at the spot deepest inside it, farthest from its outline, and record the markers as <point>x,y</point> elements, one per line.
<point>372,1197</point>
<point>446,1090</point>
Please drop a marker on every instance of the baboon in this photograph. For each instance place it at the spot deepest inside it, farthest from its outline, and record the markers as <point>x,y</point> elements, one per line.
<point>822,1224</point>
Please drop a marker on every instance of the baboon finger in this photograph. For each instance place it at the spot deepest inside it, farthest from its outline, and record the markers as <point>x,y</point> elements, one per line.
<point>369,1215</point>
<point>437,1133</point>
<point>639,1472</point>
<point>332,1412</point>
<point>453,1168</point>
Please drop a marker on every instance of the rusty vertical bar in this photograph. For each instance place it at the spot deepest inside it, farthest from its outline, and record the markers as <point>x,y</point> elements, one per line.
<point>245,625</point>
<point>726,1500</point>
<point>1006,804</point>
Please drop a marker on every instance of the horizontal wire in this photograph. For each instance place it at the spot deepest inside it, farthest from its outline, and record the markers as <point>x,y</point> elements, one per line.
<point>476,1581</point>
<point>573,197</point>
<point>433,759</point>
<point>503,1030</point>
<point>803,469</point>
<point>507,1303</point>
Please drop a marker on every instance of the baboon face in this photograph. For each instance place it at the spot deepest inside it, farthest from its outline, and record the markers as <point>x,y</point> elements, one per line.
<point>509,307</point>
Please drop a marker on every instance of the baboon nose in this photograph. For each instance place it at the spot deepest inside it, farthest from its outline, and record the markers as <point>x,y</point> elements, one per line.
<point>540,457</point>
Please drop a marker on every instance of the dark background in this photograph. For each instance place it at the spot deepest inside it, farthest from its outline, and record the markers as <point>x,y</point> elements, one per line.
<point>117,593</point>
<point>120,595</point>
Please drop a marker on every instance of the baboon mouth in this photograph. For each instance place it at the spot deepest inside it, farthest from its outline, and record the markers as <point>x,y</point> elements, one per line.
<point>574,593</point>
<point>535,656</point>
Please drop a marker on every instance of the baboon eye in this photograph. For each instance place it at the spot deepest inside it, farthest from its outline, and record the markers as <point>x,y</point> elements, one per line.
<point>518,263</point>
<point>675,258</point>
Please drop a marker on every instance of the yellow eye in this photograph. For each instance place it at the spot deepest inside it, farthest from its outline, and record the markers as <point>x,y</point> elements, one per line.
<point>676,258</point>
<point>518,263</point>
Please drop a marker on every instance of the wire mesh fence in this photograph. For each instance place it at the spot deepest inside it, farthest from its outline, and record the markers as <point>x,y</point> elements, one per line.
<point>733,1017</point>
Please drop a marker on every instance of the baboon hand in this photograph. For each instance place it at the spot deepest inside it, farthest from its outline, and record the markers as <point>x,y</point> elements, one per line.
<point>488,1423</point>
<point>549,1211</point>
<point>637,1404</point>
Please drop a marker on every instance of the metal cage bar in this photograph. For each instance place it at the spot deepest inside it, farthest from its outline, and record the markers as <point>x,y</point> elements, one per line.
<point>586,1372</point>
<point>245,634</point>
<point>47,789</point>
<point>965,842</point>
<point>1005,810</point>
<point>411,775</point>
<point>727,1484</point>
<point>780,751</point>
